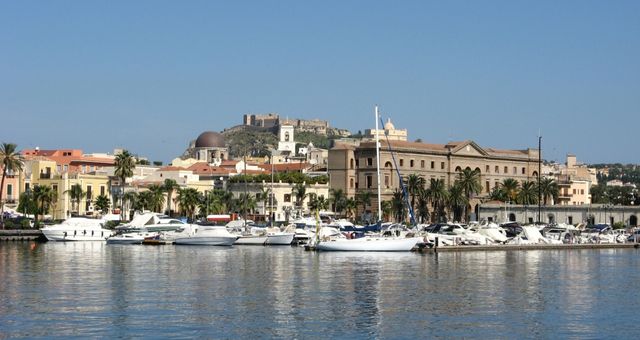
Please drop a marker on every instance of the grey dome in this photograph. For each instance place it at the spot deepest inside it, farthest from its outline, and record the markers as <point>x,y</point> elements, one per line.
<point>210,139</point>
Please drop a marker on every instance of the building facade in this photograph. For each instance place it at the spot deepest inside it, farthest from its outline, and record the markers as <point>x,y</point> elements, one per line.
<point>352,166</point>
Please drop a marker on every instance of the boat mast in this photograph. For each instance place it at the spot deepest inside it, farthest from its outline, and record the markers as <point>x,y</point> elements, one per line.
<point>378,164</point>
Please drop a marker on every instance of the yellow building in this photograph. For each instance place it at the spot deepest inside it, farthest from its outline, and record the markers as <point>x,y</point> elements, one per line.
<point>46,172</point>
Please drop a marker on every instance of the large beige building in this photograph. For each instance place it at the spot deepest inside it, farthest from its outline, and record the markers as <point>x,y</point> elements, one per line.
<point>352,166</point>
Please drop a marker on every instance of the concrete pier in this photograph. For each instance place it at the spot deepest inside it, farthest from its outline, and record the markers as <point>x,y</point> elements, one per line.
<point>511,247</point>
<point>21,235</point>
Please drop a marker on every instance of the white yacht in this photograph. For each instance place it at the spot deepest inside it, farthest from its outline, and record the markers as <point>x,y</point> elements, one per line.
<point>77,229</point>
<point>257,236</point>
<point>208,235</point>
<point>279,238</point>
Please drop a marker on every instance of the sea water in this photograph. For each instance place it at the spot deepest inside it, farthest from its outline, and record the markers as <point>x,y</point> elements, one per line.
<point>91,289</point>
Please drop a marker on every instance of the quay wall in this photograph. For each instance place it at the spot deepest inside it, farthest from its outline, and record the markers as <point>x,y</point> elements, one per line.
<point>571,214</point>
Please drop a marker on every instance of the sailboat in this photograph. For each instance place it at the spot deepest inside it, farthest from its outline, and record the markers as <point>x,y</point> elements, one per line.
<point>367,243</point>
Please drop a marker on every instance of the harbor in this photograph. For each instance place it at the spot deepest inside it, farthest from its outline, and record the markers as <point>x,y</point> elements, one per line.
<point>94,289</point>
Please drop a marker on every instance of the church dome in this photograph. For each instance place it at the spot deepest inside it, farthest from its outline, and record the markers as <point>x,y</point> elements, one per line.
<point>210,139</point>
<point>388,125</point>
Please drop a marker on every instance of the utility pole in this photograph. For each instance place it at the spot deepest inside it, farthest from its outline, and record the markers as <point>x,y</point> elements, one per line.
<point>539,174</point>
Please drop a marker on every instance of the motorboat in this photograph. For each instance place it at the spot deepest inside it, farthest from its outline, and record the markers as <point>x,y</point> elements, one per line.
<point>128,238</point>
<point>370,244</point>
<point>275,237</point>
<point>77,229</point>
<point>492,231</point>
<point>531,235</point>
<point>208,235</point>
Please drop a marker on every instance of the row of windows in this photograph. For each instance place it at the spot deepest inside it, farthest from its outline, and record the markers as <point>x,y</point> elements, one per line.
<point>432,164</point>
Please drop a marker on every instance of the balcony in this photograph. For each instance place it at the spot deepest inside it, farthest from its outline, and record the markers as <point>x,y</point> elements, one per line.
<point>45,175</point>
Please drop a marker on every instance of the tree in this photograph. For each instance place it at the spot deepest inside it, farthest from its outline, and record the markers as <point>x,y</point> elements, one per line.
<point>422,210</point>
<point>457,200</point>
<point>350,206</point>
<point>415,184</point>
<point>398,205</point>
<point>170,185</point>
<point>528,193</point>
<point>44,196</point>
<point>299,191</point>
<point>510,188</point>
<point>11,161</point>
<point>548,189</point>
<point>131,202</point>
<point>318,203</point>
<point>76,194</point>
<point>124,165</point>
<point>387,210</point>
<point>188,199</point>
<point>26,204</point>
<point>339,200</point>
<point>103,203</point>
<point>437,194</point>
<point>469,182</point>
<point>156,199</point>
<point>364,197</point>
<point>264,195</point>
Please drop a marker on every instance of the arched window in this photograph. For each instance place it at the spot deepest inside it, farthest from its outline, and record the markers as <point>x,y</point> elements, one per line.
<point>351,183</point>
<point>387,165</point>
<point>512,217</point>
<point>478,170</point>
<point>286,136</point>
<point>535,174</point>
<point>551,218</point>
<point>458,169</point>
<point>633,221</point>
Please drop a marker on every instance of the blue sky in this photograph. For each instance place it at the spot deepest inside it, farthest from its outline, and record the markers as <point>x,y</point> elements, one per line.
<point>151,75</point>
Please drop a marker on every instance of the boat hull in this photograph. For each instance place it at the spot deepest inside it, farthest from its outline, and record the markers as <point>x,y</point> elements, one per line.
<point>251,240</point>
<point>62,235</point>
<point>370,244</point>
<point>284,239</point>
<point>207,240</point>
<point>125,240</point>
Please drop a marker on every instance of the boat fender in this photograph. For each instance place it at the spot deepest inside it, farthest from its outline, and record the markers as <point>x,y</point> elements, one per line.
<point>92,232</point>
<point>84,232</point>
<point>75,232</point>
<point>65,234</point>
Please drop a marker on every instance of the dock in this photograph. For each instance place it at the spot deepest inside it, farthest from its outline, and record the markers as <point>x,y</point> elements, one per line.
<point>512,247</point>
<point>21,235</point>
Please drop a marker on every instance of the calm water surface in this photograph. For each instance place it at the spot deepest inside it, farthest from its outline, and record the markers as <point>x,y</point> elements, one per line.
<point>99,290</point>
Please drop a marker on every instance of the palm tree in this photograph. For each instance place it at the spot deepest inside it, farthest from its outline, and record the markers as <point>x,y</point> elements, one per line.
<point>387,209</point>
<point>299,191</point>
<point>364,197</point>
<point>458,200</point>
<point>422,210</point>
<point>469,181</point>
<point>102,203</point>
<point>548,189</point>
<point>76,194</point>
<point>528,193</point>
<point>437,194</point>
<point>415,184</point>
<point>350,206</point>
<point>131,201</point>
<point>44,196</point>
<point>188,199</point>
<point>247,203</point>
<point>10,161</point>
<point>156,199</point>
<point>264,195</point>
<point>397,203</point>
<point>510,188</point>
<point>145,200</point>
<point>124,165</point>
<point>170,185</point>
<point>339,198</point>
<point>318,203</point>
